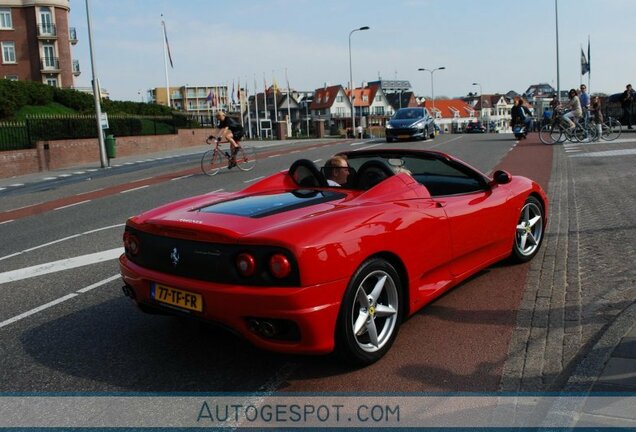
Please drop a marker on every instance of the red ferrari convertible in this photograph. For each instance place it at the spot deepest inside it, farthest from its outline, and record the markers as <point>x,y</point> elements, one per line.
<point>298,266</point>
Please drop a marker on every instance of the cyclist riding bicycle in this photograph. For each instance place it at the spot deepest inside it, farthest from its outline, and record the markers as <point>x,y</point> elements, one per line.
<point>232,132</point>
<point>575,112</point>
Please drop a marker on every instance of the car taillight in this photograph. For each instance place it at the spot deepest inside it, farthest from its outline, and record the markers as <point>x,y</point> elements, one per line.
<point>131,243</point>
<point>245,264</point>
<point>279,266</point>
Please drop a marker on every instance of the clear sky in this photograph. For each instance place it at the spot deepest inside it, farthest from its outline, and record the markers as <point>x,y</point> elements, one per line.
<point>502,44</point>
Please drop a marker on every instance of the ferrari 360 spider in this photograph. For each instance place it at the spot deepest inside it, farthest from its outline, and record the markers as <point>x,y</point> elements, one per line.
<point>295,265</point>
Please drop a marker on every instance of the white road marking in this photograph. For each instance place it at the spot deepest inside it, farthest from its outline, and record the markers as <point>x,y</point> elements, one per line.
<point>446,142</point>
<point>181,178</point>
<point>49,178</point>
<point>1,188</point>
<point>218,190</point>
<point>133,189</point>
<point>37,309</point>
<point>98,284</point>
<point>103,228</point>
<point>254,179</point>
<point>79,172</point>
<point>6,222</point>
<point>294,151</point>
<point>60,240</point>
<point>370,146</point>
<point>65,175</point>
<point>273,156</point>
<point>72,205</point>
<point>16,185</point>
<point>360,143</point>
<point>56,266</point>
<point>317,160</point>
<point>623,152</point>
<point>58,301</point>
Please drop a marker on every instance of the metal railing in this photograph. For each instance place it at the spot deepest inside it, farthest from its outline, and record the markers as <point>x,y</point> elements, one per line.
<point>24,135</point>
<point>72,35</point>
<point>14,136</point>
<point>49,63</point>
<point>76,68</point>
<point>47,29</point>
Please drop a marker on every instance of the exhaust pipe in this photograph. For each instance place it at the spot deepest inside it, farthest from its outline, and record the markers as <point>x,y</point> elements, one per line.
<point>128,291</point>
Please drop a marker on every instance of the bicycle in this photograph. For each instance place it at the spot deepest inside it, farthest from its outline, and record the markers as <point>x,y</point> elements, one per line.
<point>214,159</point>
<point>610,129</point>
<point>558,130</point>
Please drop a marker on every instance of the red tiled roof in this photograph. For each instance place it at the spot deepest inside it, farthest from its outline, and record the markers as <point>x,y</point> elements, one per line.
<point>447,107</point>
<point>325,97</point>
<point>359,93</point>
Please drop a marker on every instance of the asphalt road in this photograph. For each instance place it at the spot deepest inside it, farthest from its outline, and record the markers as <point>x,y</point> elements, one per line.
<point>66,327</point>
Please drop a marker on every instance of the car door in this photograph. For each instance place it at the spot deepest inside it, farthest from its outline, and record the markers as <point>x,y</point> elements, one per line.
<point>477,225</point>
<point>475,211</point>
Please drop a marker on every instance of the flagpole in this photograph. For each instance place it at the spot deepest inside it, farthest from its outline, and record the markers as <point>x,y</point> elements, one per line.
<point>589,66</point>
<point>275,88</point>
<point>556,15</point>
<point>289,126</point>
<point>581,74</point>
<point>165,61</point>
<point>249,115</point>
<point>258,126</point>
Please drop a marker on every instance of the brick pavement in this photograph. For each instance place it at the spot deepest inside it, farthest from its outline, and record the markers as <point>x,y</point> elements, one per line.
<point>584,276</point>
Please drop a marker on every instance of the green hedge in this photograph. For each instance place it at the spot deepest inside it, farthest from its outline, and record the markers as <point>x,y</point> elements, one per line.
<point>17,94</point>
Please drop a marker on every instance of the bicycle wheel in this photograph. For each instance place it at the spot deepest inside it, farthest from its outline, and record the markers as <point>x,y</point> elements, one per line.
<point>584,133</point>
<point>550,134</point>
<point>246,158</point>
<point>611,129</point>
<point>211,162</point>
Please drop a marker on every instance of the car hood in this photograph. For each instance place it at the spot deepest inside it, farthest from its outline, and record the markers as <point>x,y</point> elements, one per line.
<point>405,123</point>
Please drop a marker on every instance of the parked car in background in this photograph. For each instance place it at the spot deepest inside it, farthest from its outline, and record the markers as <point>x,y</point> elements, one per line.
<point>410,124</point>
<point>475,127</point>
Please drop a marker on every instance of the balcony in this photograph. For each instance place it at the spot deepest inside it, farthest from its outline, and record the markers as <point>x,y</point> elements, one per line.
<point>72,35</point>
<point>47,31</point>
<point>76,68</point>
<point>49,65</point>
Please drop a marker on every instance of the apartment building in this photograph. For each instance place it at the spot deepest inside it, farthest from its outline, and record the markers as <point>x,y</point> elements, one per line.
<point>35,42</point>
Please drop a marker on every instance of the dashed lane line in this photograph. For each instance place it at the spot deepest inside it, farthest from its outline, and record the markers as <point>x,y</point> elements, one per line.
<point>72,205</point>
<point>134,189</point>
<point>63,239</point>
<point>254,179</point>
<point>57,301</point>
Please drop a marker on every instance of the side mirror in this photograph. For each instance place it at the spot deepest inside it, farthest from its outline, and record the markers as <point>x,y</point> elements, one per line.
<point>502,177</point>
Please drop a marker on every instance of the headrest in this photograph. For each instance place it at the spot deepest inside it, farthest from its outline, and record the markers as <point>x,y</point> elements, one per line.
<point>305,173</point>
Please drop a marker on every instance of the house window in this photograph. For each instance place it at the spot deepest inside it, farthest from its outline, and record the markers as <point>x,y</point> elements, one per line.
<point>5,18</point>
<point>8,52</point>
<point>365,98</point>
<point>318,100</point>
<point>46,21</point>
<point>52,82</point>
<point>11,77</point>
<point>339,99</point>
<point>378,98</point>
<point>326,98</point>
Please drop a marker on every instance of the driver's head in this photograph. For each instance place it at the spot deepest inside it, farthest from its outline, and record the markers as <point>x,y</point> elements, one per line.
<point>337,169</point>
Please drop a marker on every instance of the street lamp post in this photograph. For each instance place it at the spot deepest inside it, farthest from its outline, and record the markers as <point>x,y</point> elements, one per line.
<point>432,86</point>
<point>481,99</point>
<point>353,110</point>
<point>96,93</point>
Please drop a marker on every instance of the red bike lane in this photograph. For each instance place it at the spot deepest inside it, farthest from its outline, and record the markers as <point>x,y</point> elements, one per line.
<point>459,343</point>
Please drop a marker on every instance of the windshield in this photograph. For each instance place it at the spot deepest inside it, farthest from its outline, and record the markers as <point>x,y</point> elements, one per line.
<point>410,113</point>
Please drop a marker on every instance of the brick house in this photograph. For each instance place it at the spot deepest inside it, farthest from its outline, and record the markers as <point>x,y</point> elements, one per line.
<point>35,42</point>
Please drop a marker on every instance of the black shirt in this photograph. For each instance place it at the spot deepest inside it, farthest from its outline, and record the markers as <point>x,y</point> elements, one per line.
<point>233,125</point>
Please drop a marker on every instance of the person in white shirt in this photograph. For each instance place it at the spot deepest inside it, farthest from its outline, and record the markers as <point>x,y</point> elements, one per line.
<point>337,170</point>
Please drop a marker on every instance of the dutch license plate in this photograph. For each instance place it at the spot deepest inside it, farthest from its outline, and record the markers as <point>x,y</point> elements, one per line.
<point>404,136</point>
<point>176,297</point>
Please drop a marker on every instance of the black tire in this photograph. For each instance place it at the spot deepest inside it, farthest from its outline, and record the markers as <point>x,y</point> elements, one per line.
<point>381,314</point>
<point>529,231</point>
<point>389,139</point>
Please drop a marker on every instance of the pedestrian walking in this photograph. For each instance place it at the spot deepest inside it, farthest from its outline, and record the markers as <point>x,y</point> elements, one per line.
<point>627,101</point>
